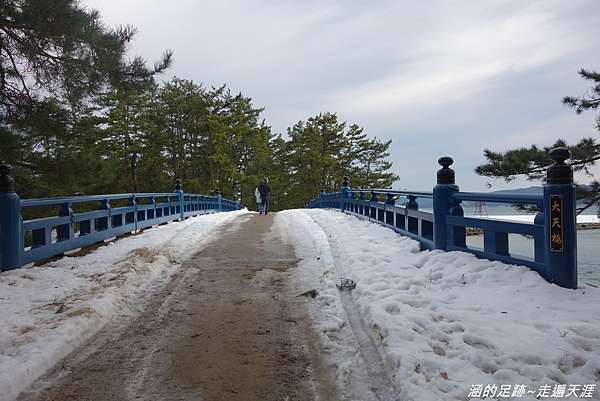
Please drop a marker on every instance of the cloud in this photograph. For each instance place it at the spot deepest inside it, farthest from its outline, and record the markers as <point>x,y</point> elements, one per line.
<point>435,77</point>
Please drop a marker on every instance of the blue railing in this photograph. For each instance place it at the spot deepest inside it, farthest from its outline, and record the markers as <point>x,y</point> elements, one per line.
<point>105,216</point>
<point>445,227</point>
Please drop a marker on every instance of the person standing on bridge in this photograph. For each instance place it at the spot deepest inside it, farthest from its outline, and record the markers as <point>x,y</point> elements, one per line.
<point>265,193</point>
<point>258,200</point>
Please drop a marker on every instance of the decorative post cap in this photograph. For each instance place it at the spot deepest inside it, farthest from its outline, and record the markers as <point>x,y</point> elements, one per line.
<point>346,182</point>
<point>445,175</point>
<point>7,183</point>
<point>178,184</point>
<point>559,172</point>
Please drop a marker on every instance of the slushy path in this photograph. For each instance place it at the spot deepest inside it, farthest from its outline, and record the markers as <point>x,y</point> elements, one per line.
<point>227,327</point>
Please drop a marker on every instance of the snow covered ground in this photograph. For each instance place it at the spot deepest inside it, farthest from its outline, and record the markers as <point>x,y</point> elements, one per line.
<point>446,321</point>
<point>46,311</point>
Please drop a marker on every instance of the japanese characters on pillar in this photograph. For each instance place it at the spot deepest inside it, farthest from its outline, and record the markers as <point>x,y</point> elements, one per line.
<point>560,219</point>
<point>556,225</point>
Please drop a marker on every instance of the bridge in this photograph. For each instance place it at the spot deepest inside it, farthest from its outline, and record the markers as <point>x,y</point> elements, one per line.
<point>554,229</point>
<point>360,296</point>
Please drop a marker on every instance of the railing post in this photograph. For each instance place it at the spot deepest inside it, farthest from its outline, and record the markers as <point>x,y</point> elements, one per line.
<point>373,205</point>
<point>345,193</point>
<point>389,200</point>
<point>11,236</point>
<point>105,222</point>
<point>65,232</point>
<point>361,204</point>
<point>219,200</point>
<point>390,215</point>
<point>412,203</point>
<point>560,221</point>
<point>179,190</point>
<point>442,202</point>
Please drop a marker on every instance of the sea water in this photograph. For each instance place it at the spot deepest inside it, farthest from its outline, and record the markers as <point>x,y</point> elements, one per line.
<point>588,251</point>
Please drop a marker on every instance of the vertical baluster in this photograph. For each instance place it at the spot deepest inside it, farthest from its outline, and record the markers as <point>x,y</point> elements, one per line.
<point>180,200</point>
<point>66,231</point>
<point>104,222</point>
<point>218,200</point>
<point>131,216</point>
<point>412,223</point>
<point>495,243</point>
<point>373,205</point>
<point>389,214</point>
<point>361,205</point>
<point>539,241</point>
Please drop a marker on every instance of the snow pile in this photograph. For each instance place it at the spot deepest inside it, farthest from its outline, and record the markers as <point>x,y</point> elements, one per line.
<point>444,321</point>
<point>47,311</point>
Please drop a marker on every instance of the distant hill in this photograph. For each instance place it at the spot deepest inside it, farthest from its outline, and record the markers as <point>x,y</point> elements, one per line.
<point>428,203</point>
<point>528,190</point>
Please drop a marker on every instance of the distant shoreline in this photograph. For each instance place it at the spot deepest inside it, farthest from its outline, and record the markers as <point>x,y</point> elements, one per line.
<point>588,226</point>
<point>580,226</point>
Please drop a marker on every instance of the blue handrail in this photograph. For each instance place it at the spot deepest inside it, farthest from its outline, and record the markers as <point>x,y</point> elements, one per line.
<point>420,194</point>
<point>25,241</point>
<point>531,199</point>
<point>553,229</point>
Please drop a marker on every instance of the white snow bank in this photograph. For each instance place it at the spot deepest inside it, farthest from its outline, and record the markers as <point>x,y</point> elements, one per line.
<point>46,311</point>
<point>582,218</point>
<point>446,320</point>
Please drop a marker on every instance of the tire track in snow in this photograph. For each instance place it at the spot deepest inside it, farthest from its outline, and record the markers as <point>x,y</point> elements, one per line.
<point>380,382</point>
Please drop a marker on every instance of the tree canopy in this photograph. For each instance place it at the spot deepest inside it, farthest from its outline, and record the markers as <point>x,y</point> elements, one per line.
<point>79,116</point>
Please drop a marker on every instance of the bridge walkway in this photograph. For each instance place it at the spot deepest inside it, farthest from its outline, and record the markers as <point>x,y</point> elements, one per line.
<point>227,327</point>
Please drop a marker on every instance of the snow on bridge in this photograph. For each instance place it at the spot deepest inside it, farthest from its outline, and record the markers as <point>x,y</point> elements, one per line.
<point>445,320</point>
<point>47,311</point>
<point>441,321</point>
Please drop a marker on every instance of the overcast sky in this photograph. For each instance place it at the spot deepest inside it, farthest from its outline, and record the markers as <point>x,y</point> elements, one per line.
<point>436,77</point>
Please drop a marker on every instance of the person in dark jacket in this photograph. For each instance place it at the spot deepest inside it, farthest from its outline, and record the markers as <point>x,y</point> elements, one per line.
<point>265,193</point>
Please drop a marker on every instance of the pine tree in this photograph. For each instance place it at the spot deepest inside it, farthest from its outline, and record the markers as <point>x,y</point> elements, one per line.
<point>55,57</point>
<point>60,47</point>
<point>532,162</point>
<point>321,151</point>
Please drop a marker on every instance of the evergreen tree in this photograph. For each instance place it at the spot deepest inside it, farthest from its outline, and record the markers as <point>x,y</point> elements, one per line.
<point>320,152</point>
<point>532,162</point>
<point>78,117</point>
<point>59,46</point>
<point>55,57</point>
